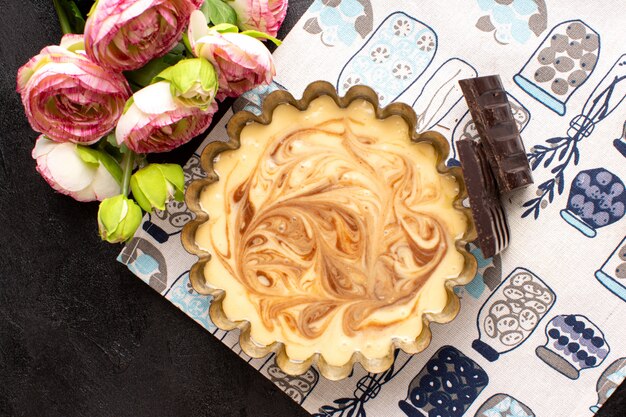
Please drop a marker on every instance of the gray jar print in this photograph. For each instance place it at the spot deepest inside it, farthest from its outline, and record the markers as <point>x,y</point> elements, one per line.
<point>511,313</point>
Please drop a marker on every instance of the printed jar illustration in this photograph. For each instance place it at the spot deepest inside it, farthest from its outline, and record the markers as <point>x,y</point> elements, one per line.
<point>441,93</point>
<point>574,343</point>
<point>608,382</point>
<point>503,405</point>
<point>146,261</point>
<point>596,199</point>
<point>446,386</point>
<point>392,59</point>
<point>561,64</point>
<point>511,313</point>
<point>613,273</point>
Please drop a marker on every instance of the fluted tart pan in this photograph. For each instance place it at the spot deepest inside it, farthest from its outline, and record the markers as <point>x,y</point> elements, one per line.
<point>202,285</point>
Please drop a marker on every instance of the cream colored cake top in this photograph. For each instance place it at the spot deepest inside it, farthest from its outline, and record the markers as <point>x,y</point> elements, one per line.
<point>331,232</point>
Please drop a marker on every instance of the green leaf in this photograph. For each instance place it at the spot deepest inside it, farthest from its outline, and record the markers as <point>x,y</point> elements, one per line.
<point>107,141</point>
<point>176,54</point>
<point>108,145</point>
<point>95,157</point>
<point>124,149</point>
<point>261,35</point>
<point>225,28</point>
<point>88,155</point>
<point>92,8</point>
<point>70,17</point>
<point>218,12</point>
<point>112,166</point>
<point>76,18</point>
<point>206,10</point>
<point>146,74</point>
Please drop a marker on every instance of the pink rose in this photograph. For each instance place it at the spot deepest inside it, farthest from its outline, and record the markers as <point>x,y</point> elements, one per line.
<point>242,62</point>
<point>157,122</point>
<point>80,172</point>
<point>262,15</point>
<point>67,96</point>
<point>125,34</point>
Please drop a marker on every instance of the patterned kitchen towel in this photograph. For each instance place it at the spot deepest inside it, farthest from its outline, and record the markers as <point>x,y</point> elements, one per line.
<point>541,327</point>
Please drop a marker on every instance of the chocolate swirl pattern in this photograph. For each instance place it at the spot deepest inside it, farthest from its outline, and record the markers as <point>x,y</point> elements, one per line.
<point>329,223</point>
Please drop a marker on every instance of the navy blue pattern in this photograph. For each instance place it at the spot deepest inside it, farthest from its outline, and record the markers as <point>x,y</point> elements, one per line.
<point>574,344</point>
<point>563,150</point>
<point>446,386</point>
<point>597,199</point>
<point>367,388</point>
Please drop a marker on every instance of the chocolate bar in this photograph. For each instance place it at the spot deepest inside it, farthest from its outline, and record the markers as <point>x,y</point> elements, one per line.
<point>500,137</point>
<point>489,216</point>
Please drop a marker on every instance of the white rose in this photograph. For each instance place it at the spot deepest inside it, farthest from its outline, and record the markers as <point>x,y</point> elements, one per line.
<point>84,174</point>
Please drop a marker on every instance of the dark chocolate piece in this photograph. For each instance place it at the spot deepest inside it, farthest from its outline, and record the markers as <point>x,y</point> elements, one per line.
<point>487,210</point>
<point>500,138</point>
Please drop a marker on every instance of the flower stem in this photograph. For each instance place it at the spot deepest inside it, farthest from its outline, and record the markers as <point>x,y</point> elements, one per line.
<point>65,24</point>
<point>128,163</point>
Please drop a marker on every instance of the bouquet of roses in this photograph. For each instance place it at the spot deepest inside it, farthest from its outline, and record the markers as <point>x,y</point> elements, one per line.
<point>133,78</point>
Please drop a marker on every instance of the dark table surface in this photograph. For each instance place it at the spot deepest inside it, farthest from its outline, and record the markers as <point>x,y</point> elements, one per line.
<point>79,334</point>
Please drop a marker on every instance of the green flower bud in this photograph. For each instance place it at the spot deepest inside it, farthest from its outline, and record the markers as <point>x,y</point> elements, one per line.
<point>156,184</point>
<point>192,81</point>
<point>118,218</point>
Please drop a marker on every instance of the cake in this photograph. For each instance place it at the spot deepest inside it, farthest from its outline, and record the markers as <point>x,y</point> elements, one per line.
<point>328,231</point>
